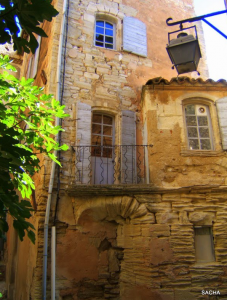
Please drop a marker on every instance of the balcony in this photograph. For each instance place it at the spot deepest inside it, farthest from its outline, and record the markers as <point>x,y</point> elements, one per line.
<point>110,165</point>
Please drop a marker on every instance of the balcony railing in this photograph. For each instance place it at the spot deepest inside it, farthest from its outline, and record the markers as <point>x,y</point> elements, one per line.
<point>118,164</point>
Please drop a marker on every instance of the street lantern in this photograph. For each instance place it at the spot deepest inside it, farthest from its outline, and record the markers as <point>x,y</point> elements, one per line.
<point>184,52</point>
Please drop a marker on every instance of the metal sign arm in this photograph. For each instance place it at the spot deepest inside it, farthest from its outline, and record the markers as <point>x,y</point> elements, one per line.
<point>199,18</point>
<point>215,28</point>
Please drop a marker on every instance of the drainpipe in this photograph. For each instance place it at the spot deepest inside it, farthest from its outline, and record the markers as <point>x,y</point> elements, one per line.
<point>51,182</point>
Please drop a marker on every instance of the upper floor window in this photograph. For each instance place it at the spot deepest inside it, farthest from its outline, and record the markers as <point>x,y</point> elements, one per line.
<point>198,125</point>
<point>104,34</point>
<point>129,36</point>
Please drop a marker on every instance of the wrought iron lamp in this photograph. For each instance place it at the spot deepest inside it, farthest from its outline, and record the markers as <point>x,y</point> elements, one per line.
<point>184,51</point>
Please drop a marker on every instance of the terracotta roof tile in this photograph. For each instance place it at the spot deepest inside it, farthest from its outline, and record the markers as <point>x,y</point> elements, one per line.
<point>185,80</point>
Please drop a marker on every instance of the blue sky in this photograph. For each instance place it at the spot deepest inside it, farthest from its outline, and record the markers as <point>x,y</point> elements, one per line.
<point>216,45</point>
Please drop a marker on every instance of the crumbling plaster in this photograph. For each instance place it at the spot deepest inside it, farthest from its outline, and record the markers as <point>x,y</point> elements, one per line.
<point>165,125</point>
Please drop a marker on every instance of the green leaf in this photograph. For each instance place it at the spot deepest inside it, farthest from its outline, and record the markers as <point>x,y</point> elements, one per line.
<point>31,236</point>
<point>64,147</point>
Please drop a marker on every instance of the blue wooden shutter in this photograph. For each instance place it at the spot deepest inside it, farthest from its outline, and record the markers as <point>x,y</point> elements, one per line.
<point>134,36</point>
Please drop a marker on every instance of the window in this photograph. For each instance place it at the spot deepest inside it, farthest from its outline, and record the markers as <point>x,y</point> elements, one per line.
<point>98,159</point>
<point>102,135</point>
<point>198,125</point>
<point>104,34</point>
<point>204,245</point>
<point>133,39</point>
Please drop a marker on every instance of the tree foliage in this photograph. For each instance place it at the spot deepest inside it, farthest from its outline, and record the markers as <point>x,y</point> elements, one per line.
<point>26,128</point>
<point>25,14</point>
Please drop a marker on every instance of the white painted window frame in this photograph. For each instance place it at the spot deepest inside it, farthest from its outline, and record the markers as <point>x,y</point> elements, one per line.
<point>209,126</point>
<point>102,124</point>
<point>114,33</point>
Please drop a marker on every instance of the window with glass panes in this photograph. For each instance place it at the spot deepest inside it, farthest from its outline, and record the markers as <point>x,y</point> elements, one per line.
<point>102,135</point>
<point>198,126</point>
<point>104,34</point>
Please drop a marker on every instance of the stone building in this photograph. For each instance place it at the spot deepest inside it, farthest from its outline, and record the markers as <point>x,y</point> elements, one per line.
<point>139,204</point>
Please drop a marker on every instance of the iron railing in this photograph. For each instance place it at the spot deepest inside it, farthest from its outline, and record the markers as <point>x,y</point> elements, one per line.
<point>118,164</point>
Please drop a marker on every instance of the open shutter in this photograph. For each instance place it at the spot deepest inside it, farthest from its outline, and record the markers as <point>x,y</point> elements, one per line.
<point>222,118</point>
<point>83,142</point>
<point>128,149</point>
<point>35,60</point>
<point>134,36</point>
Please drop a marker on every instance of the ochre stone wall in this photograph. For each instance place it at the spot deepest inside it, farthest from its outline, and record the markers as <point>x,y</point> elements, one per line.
<point>140,247</point>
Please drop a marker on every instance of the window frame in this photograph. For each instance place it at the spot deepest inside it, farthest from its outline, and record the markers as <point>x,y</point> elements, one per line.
<point>108,20</point>
<point>102,135</point>
<point>198,102</point>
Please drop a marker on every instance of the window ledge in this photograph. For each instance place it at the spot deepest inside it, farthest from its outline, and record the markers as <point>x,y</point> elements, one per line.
<point>202,265</point>
<point>201,153</point>
<point>108,49</point>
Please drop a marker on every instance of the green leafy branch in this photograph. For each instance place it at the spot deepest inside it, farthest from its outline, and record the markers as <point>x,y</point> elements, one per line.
<point>23,103</point>
<point>27,15</point>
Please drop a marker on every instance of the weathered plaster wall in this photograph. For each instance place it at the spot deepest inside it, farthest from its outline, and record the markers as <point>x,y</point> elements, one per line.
<point>171,164</point>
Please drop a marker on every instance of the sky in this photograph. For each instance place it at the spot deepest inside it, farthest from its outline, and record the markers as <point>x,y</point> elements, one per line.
<point>216,45</point>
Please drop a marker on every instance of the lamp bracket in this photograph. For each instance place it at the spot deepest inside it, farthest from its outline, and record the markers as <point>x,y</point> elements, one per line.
<point>181,29</point>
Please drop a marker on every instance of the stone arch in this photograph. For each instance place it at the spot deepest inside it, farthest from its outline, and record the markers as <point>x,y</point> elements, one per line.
<point>119,209</point>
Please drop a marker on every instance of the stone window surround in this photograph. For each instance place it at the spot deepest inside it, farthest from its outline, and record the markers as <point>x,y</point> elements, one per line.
<point>214,127</point>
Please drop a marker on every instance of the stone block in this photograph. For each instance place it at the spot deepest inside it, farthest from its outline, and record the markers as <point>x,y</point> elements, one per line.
<point>73,52</point>
<point>159,230</point>
<point>103,70</point>
<point>148,198</point>
<point>167,217</point>
<point>202,218</point>
<point>92,7</point>
<point>84,85</point>
<point>158,207</point>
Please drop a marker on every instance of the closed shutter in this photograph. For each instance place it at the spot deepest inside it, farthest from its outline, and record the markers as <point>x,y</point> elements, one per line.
<point>83,142</point>
<point>128,149</point>
<point>134,36</point>
<point>222,118</point>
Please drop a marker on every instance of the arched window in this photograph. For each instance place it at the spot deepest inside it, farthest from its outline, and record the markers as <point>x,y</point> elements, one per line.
<point>104,34</point>
<point>198,127</point>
